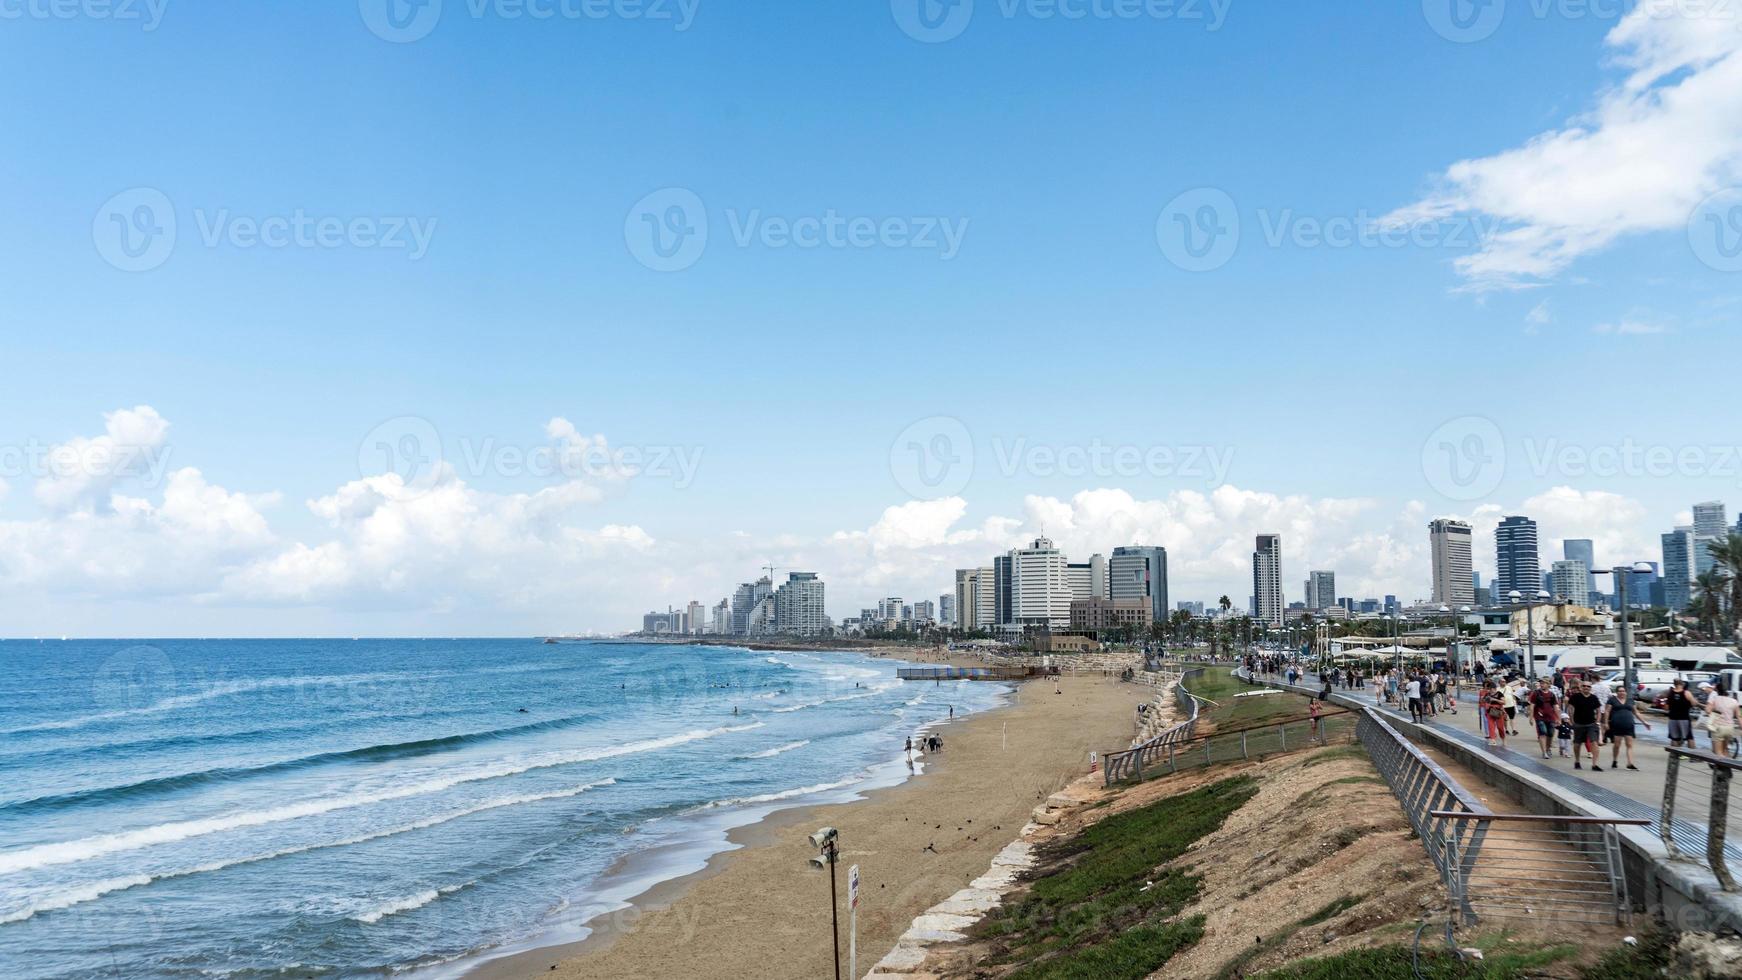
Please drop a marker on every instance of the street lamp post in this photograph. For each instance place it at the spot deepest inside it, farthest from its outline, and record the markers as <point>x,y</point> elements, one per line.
<point>1622,573</point>
<point>1530,631</point>
<point>1457,671</point>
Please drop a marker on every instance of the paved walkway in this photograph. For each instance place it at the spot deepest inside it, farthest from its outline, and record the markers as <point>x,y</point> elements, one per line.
<point>1626,793</point>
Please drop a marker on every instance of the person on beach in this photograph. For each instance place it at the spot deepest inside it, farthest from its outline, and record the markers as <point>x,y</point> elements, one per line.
<point>1679,705</point>
<point>1619,720</point>
<point>1494,713</point>
<point>1584,707</point>
<point>1545,712</point>
<point>1313,710</point>
<point>1723,718</point>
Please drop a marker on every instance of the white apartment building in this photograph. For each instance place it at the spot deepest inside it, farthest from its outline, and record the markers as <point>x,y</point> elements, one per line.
<point>1453,573</point>
<point>1040,589</point>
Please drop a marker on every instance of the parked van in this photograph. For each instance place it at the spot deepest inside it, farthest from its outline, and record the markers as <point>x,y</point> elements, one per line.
<point>1598,659</point>
<point>1652,683</point>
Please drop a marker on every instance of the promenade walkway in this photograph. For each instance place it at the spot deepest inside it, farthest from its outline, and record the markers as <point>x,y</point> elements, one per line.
<point>1625,793</point>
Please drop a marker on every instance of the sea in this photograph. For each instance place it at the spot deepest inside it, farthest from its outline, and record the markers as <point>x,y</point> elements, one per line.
<point>411,807</point>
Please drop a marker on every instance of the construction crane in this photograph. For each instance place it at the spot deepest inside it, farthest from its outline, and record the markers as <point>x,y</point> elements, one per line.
<point>771,569</point>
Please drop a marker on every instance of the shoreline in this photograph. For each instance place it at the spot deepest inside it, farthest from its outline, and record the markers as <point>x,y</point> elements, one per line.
<point>733,906</point>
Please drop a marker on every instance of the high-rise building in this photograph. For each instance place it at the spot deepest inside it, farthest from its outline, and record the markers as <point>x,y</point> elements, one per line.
<point>967,598</point>
<point>1040,591</point>
<point>1088,579</point>
<point>1570,578</point>
<point>1140,572</point>
<point>1267,580</point>
<point>1520,568</point>
<point>722,623</point>
<point>798,605</point>
<point>1642,585</point>
<point>744,600</point>
<point>1003,600</point>
<point>1321,590</point>
<point>694,618</point>
<point>1454,582</point>
<point>985,599</point>
<point>889,610</point>
<point>947,610</point>
<point>1709,526</point>
<point>924,612</point>
<point>1584,550</point>
<point>1678,568</point>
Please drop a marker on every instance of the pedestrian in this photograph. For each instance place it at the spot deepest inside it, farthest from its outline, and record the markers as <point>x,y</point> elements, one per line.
<point>1509,698</point>
<point>1378,689</point>
<point>1679,705</point>
<point>1722,718</point>
<point>1494,711</point>
<point>1566,734</point>
<point>1545,713</point>
<point>1584,707</point>
<point>1412,692</point>
<point>1619,719</point>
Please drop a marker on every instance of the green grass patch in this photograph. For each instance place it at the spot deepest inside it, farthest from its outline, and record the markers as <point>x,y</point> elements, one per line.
<point>1105,910</point>
<point>1219,684</point>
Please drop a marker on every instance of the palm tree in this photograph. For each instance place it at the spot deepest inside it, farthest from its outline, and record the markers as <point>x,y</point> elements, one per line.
<point>1710,590</point>
<point>1726,554</point>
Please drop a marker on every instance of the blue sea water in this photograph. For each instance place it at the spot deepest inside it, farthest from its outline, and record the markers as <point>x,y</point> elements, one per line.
<point>242,808</point>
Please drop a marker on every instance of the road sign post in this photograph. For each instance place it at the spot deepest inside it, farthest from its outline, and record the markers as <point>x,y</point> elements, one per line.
<point>853,922</point>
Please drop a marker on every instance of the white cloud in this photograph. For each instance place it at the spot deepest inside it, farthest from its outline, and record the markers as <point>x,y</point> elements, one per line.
<point>79,473</point>
<point>1655,145</point>
<point>1629,328</point>
<point>1538,317</point>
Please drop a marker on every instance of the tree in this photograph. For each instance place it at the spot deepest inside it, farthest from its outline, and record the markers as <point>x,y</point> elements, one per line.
<point>1710,590</point>
<point>1726,555</point>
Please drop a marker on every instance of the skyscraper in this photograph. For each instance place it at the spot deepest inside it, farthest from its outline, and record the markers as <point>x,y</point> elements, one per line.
<point>1582,549</point>
<point>1267,580</point>
<point>985,599</point>
<point>947,610</point>
<point>1453,579</point>
<point>1709,526</point>
<point>967,597</point>
<point>1140,572</point>
<point>1321,590</point>
<point>1003,608</point>
<point>1040,591</point>
<point>798,605</point>
<point>1678,569</point>
<point>1570,578</point>
<point>1520,569</point>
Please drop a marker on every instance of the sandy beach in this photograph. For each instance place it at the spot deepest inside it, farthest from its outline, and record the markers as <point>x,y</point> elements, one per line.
<point>760,911</point>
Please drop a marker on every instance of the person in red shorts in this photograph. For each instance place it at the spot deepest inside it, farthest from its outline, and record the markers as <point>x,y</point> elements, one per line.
<point>1494,711</point>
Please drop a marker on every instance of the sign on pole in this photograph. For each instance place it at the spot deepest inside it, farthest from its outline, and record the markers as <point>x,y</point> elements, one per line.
<point>853,922</point>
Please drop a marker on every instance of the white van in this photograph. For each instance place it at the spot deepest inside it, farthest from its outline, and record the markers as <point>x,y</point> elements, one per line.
<point>1598,659</point>
<point>1652,682</point>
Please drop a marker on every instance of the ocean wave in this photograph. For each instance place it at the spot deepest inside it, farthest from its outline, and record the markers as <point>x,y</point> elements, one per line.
<point>406,904</point>
<point>867,693</point>
<point>95,890</point>
<point>87,848</point>
<point>369,753</point>
<point>771,753</point>
<point>222,689</point>
<point>782,795</point>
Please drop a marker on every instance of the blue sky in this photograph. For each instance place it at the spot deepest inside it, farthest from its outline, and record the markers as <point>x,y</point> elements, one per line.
<point>1054,146</point>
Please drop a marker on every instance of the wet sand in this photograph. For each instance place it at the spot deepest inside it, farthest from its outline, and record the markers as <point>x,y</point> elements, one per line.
<point>760,910</point>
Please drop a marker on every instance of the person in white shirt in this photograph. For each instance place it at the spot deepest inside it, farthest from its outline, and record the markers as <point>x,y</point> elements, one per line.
<point>1603,690</point>
<point>1412,692</point>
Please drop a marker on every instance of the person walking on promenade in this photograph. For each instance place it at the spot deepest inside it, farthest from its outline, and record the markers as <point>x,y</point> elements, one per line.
<point>1378,689</point>
<point>1722,718</point>
<point>1679,705</point>
<point>1494,712</point>
<point>1546,715</point>
<point>1412,694</point>
<point>1390,687</point>
<point>1619,720</point>
<point>1509,698</point>
<point>1584,706</point>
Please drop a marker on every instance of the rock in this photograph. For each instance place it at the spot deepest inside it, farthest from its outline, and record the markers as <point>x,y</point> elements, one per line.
<point>1045,817</point>
<point>942,922</point>
<point>969,901</point>
<point>1059,801</point>
<point>932,936</point>
<point>1701,955</point>
<point>902,959</point>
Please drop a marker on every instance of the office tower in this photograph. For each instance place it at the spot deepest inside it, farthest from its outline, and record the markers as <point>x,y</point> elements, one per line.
<point>1709,526</point>
<point>798,605</point>
<point>1080,579</point>
<point>1040,591</point>
<point>1002,599</point>
<point>1641,586</point>
<point>1582,549</point>
<point>1520,569</point>
<point>693,618</point>
<point>743,603</point>
<point>722,623</point>
<point>1267,579</point>
<point>889,610</point>
<point>967,598</point>
<point>947,610</point>
<point>1454,581</point>
<point>1321,590</point>
<point>1678,568</point>
<point>923,613</point>
<point>985,599</point>
<point>1140,572</point>
<point>1570,579</point>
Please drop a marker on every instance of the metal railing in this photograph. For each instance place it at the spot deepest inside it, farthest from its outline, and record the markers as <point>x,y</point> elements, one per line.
<point>1501,864</point>
<point>1717,812</point>
<point>1125,765</point>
